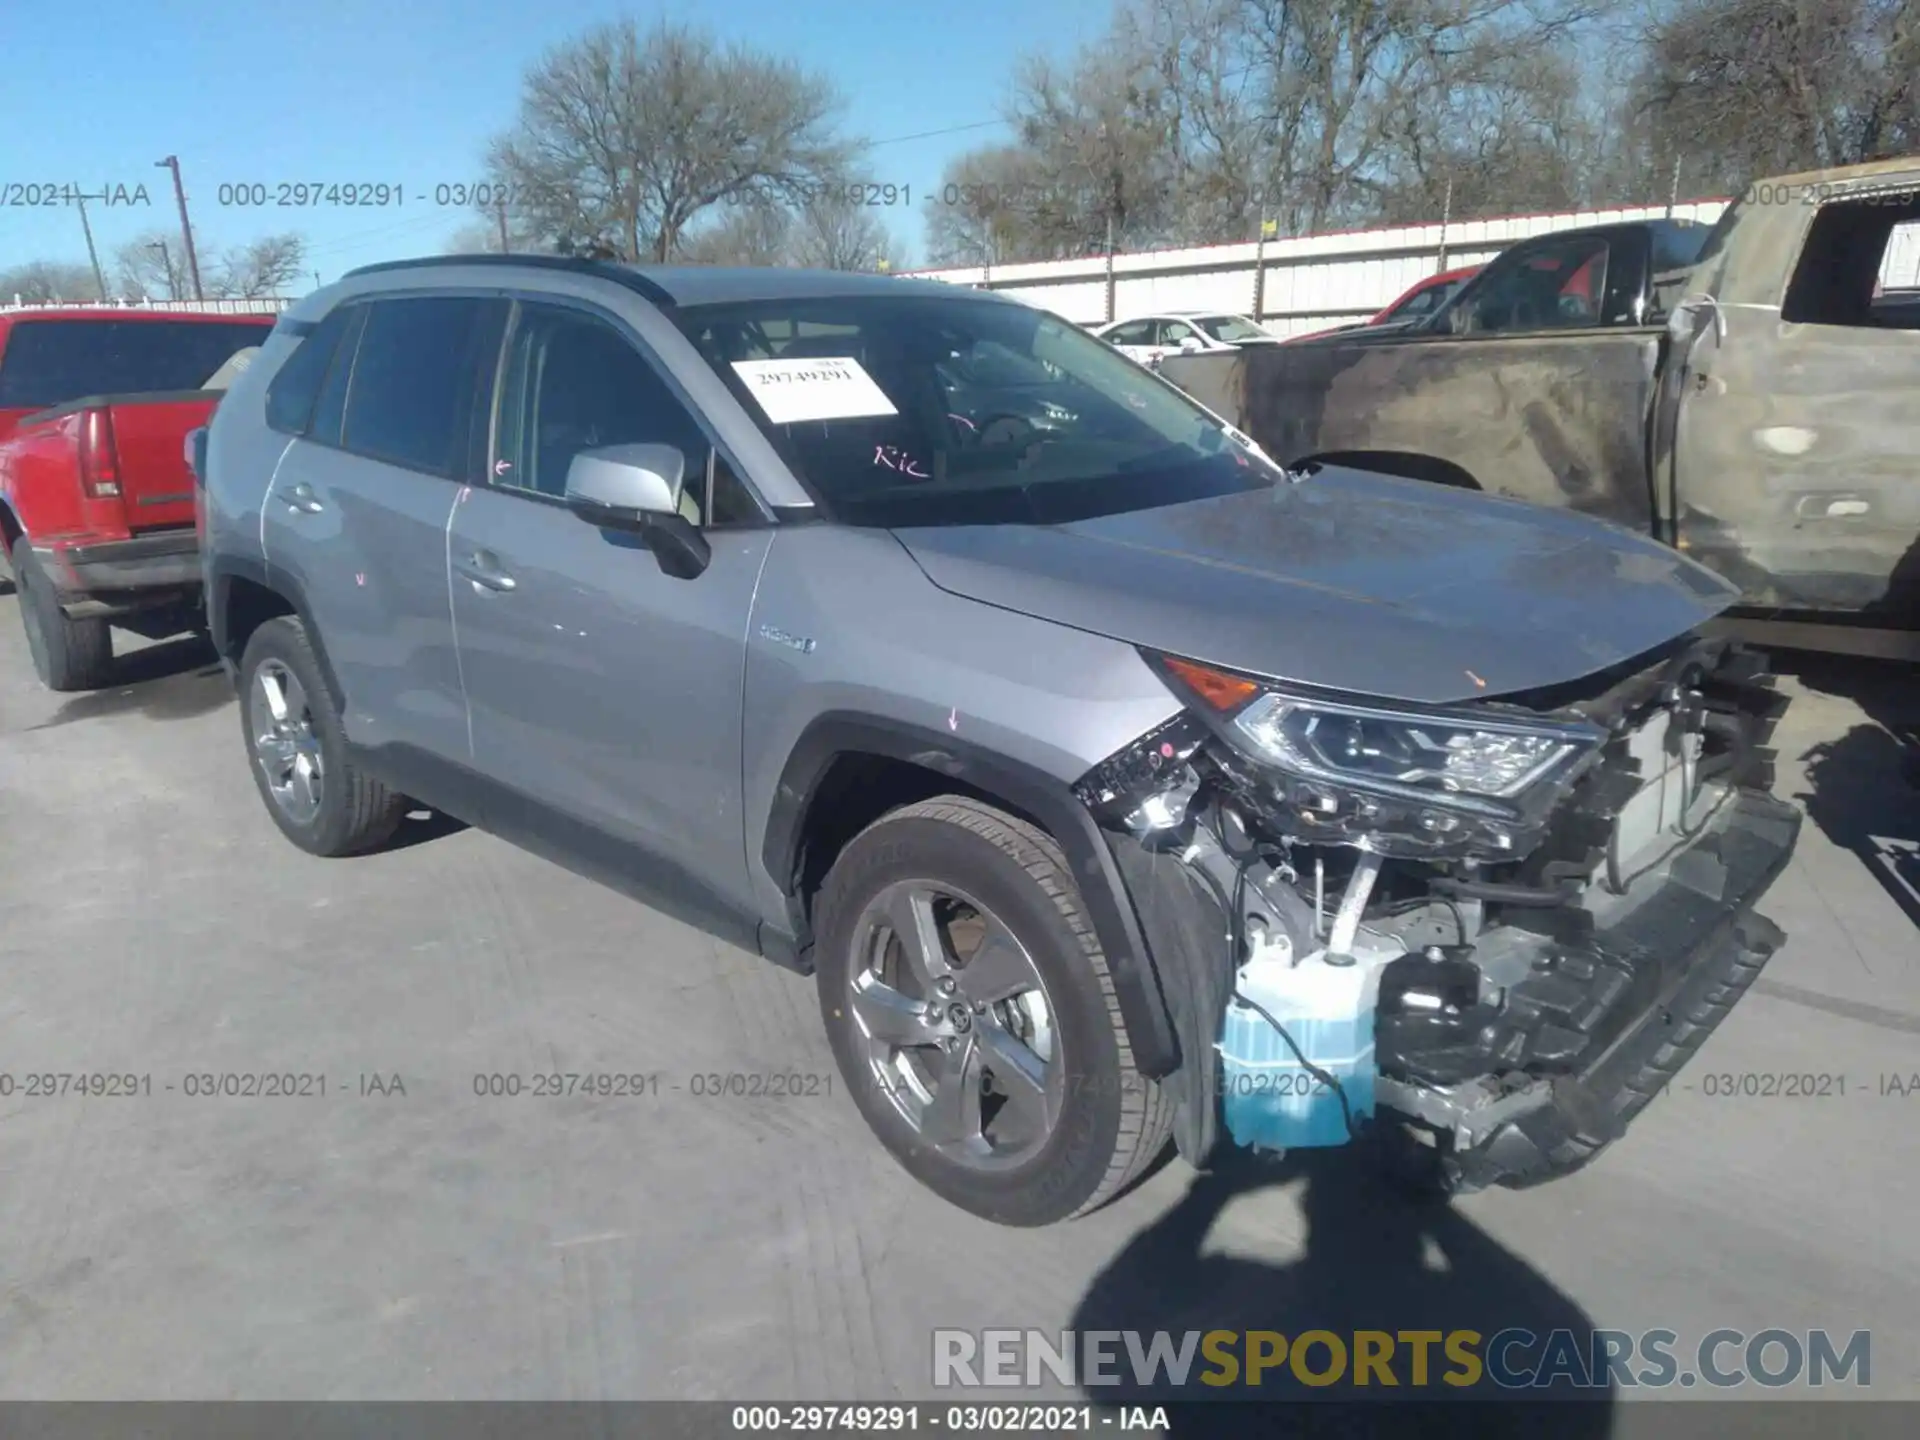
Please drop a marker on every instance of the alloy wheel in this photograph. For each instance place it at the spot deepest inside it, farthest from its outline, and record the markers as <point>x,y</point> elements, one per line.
<point>285,745</point>
<point>956,1024</point>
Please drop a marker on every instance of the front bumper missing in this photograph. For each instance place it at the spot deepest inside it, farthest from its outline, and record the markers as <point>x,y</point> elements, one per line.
<point>1602,1020</point>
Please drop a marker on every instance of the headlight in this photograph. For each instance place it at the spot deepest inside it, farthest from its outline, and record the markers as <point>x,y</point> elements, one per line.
<point>1398,780</point>
<point>1399,750</point>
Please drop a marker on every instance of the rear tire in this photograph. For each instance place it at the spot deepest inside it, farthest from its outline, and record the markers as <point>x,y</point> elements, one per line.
<point>321,801</point>
<point>68,655</point>
<point>1081,1135</point>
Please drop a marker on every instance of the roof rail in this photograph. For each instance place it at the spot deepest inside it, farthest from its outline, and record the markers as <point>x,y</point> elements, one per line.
<point>606,270</point>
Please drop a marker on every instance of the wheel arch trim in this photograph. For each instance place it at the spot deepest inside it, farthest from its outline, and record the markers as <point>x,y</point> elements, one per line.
<point>1048,800</point>
<point>220,575</point>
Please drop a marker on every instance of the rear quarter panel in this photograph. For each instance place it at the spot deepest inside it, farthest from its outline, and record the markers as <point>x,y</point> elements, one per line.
<point>40,480</point>
<point>242,452</point>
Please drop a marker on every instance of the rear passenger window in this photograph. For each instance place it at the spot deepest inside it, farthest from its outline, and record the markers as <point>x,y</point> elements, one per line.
<point>292,392</point>
<point>414,380</point>
<point>1850,255</point>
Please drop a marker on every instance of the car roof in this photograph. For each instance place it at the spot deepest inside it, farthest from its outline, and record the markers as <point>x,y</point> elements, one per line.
<point>680,285</point>
<point>1177,315</point>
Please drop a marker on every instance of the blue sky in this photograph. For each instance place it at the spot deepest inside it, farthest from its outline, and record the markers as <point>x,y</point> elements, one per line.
<point>408,92</point>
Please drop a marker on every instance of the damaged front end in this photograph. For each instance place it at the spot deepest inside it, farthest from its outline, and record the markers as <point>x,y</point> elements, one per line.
<point>1488,932</point>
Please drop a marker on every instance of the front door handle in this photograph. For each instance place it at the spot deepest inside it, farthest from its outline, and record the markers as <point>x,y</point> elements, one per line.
<point>300,497</point>
<point>483,568</point>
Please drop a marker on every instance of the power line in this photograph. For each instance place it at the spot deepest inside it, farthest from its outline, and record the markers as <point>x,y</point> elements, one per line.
<point>931,134</point>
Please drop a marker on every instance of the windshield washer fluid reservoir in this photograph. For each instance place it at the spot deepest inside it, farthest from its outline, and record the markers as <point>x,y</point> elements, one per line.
<point>1271,1101</point>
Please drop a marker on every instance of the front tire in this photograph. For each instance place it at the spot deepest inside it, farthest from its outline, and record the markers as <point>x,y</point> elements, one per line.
<point>297,749</point>
<point>973,1015</point>
<point>68,655</point>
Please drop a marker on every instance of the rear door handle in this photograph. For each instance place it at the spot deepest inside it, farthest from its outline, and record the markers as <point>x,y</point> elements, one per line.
<point>483,568</point>
<point>300,497</point>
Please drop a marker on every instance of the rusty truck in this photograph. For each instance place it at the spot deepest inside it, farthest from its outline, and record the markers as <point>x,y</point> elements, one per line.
<point>1748,393</point>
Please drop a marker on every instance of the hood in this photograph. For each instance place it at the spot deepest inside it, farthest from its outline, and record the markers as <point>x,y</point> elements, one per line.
<point>1362,583</point>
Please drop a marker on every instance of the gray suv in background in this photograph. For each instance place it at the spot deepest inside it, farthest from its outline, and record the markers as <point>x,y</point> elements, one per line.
<point>1115,783</point>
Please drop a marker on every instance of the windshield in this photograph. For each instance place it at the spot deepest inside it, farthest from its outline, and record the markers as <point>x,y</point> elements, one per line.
<point>49,362</point>
<point>1230,329</point>
<point>1423,302</point>
<point>1677,244</point>
<point>993,364</point>
<point>924,410</point>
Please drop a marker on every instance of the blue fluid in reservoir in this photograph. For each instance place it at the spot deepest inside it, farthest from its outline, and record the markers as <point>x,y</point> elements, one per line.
<point>1269,1098</point>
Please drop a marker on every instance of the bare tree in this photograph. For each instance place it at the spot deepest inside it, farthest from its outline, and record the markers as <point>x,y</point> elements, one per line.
<point>1193,120</point>
<point>980,214</point>
<point>1513,132</point>
<point>755,233</point>
<point>625,139</point>
<point>269,266</point>
<point>478,238</point>
<point>1738,88</point>
<point>834,231</point>
<point>148,267</point>
<point>483,236</point>
<point>1199,51</point>
<point>41,282</point>
<point>1098,133</point>
<point>829,231</point>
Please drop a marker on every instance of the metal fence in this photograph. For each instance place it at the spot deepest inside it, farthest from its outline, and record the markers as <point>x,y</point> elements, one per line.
<point>1312,282</point>
<point>1291,286</point>
<point>271,306</point>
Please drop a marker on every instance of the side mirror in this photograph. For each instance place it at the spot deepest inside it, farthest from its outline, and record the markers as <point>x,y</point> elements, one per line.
<point>636,489</point>
<point>1189,345</point>
<point>628,480</point>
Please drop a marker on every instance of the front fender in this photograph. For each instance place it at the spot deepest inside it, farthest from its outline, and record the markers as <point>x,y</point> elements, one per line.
<point>1051,804</point>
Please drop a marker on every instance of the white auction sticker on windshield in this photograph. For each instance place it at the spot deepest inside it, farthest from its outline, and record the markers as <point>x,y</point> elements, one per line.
<point>835,387</point>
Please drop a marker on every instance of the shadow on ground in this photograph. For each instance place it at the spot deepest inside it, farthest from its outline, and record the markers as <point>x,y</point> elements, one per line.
<point>173,680</point>
<point>1863,786</point>
<point>1374,1260</point>
<point>419,828</point>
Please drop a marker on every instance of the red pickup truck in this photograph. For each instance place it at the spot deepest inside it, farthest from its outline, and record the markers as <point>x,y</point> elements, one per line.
<point>96,497</point>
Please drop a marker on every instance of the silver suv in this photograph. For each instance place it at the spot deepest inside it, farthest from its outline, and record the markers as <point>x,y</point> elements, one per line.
<point>1114,782</point>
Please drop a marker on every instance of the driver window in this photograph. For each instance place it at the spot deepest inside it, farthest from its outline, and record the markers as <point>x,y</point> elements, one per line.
<point>1172,332</point>
<point>574,383</point>
<point>1557,285</point>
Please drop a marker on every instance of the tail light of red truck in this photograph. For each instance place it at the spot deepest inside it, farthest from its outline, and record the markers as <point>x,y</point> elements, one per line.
<point>99,462</point>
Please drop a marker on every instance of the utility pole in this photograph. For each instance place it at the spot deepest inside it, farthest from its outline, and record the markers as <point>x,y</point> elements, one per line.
<point>93,256</point>
<point>172,162</point>
<point>1446,215</point>
<point>500,210</point>
<point>1673,191</point>
<point>1260,264</point>
<point>166,258</point>
<point>1109,264</point>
